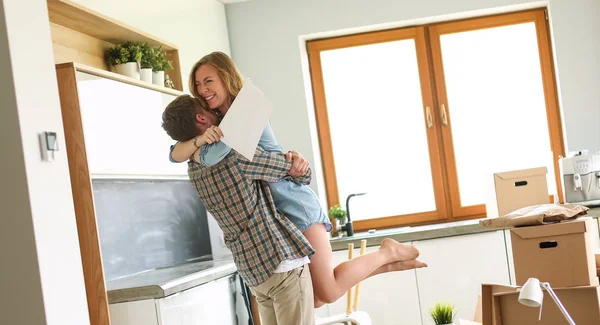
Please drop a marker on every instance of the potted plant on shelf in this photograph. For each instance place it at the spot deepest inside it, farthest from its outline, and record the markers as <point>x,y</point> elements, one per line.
<point>148,54</point>
<point>442,313</point>
<point>126,59</point>
<point>159,65</point>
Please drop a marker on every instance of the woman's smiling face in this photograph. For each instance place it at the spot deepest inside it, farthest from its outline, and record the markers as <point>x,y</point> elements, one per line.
<point>212,89</point>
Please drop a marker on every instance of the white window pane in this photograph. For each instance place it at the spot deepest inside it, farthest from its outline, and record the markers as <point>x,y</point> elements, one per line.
<point>378,135</point>
<point>496,101</point>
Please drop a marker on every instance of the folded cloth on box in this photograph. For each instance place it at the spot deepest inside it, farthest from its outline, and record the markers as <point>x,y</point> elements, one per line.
<point>536,215</point>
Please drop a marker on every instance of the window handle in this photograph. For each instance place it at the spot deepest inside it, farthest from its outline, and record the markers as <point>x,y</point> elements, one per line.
<point>444,115</point>
<point>429,117</point>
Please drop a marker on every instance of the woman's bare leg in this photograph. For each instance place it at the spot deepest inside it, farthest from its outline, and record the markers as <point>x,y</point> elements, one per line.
<point>390,267</point>
<point>331,283</point>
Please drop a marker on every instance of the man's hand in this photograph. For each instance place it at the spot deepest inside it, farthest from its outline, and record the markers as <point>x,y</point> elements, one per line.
<point>212,135</point>
<point>299,164</point>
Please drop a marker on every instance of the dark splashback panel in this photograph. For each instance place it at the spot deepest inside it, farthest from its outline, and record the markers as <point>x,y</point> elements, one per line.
<point>146,224</point>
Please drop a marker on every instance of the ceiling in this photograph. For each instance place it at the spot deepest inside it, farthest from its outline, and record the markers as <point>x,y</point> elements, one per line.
<point>231,1</point>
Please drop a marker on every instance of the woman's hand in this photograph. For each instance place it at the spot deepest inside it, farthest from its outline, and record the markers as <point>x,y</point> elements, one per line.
<point>211,135</point>
<point>299,164</point>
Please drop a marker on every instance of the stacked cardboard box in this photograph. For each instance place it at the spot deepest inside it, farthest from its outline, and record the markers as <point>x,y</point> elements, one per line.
<point>562,254</point>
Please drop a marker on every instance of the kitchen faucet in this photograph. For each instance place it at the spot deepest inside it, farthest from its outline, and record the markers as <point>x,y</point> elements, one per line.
<point>348,228</point>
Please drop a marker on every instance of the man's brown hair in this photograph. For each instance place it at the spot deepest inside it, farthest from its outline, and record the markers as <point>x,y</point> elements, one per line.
<point>179,118</point>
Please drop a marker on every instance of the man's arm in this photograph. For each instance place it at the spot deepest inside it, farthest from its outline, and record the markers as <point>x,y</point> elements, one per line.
<point>271,167</point>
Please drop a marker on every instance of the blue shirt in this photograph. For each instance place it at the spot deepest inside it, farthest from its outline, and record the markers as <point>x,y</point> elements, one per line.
<point>297,202</point>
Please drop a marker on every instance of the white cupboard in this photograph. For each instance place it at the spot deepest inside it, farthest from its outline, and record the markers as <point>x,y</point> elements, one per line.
<point>122,129</point>
<point>457,266</point>
<point>390,298</point>
<point>211,303</point>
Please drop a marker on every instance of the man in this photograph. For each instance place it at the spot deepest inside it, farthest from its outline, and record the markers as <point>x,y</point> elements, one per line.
<point>270,253</point>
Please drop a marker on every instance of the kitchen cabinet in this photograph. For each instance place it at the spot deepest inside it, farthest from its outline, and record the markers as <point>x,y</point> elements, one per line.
<point>211,303</point>
<point>390,298</point>
<point>456,268</point>
<point>122,129</point>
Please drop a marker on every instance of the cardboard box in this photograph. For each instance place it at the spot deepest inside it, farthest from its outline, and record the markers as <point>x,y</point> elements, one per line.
<point>582,303</point>
<point>489,313</point>
<point>561,254</point>
<point>517,189</point>
<point>501,306</point>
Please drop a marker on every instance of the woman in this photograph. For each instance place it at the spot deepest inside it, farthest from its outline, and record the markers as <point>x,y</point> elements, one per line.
<point>215,81</point>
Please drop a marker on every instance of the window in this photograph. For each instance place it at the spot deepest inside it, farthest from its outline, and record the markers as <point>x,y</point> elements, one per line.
<point>420,117</point>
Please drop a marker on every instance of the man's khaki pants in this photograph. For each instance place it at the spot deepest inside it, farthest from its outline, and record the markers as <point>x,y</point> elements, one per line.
<point>286,298</point>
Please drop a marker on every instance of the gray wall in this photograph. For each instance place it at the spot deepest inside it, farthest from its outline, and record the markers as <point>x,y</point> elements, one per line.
<point>264,39</point>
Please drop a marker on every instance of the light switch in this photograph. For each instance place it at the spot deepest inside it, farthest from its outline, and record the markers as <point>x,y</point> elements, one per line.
<point>48,145</point>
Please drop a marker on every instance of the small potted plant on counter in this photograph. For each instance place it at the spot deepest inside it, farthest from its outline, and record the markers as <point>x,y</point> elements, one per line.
<point>442,313</point>
<point>159,65</point>
<point>337,215</point>
<point>126,59</point>
<point>148,54</point>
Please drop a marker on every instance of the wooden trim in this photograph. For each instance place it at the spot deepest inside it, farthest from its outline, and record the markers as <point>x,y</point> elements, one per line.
<point>118,77</point>
<point>82,35</point>
<point>536,16</point>
<point>551,97</point>
<point>70,45</point>
<point>322,119</point>
<point>77,17</point>
<point>499,20</point>
<point>395,221</point>
<point>175,73</point>
<point>433,137</point>
<point>340,42</point>
<point>446,130</point>
<point>83,200</point>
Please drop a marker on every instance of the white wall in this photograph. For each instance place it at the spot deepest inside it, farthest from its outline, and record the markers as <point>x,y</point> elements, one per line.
<point>264,39</point>
<point>41,276</point>
<point>197,27</point>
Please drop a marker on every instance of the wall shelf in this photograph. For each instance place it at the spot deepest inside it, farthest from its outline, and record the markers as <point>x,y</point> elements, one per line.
<point>82,36</point>
<point>118,77</point>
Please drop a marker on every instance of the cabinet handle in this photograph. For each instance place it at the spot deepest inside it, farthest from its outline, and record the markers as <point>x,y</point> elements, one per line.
<point>429,117</point>
<point>444,115</point>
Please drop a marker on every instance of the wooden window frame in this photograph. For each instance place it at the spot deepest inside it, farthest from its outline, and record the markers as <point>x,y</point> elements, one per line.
<point>441,149</point>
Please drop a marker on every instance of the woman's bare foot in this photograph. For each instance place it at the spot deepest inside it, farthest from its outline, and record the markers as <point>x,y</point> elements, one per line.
<point>398,251</point>
<point>405,265</point>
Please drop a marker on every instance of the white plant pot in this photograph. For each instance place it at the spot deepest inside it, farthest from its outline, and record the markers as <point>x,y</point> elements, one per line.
<point>146,75</point>
<point>129,69</point>
<point>158,78</point>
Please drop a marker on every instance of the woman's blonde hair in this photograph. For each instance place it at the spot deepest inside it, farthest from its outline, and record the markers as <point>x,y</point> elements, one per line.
<point>227,71</point>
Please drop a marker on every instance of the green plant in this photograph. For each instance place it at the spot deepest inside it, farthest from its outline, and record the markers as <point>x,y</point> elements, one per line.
<point>338,214</point>
<point>159,60</point>
<point>442,313</point>
<point>124,53</point>
<point>148,54</point>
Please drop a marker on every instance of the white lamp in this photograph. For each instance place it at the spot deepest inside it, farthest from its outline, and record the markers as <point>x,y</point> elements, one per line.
<point>531,295</point>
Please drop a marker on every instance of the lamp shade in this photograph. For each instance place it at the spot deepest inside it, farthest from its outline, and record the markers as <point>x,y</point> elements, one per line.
<point>531,293</point>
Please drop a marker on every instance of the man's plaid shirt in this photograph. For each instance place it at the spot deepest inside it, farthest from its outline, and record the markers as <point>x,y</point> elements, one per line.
<point>235,193</point>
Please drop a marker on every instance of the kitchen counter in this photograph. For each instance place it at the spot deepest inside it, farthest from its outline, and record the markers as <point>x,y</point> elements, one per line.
<point>408,234</point>
<point>160,283</point>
